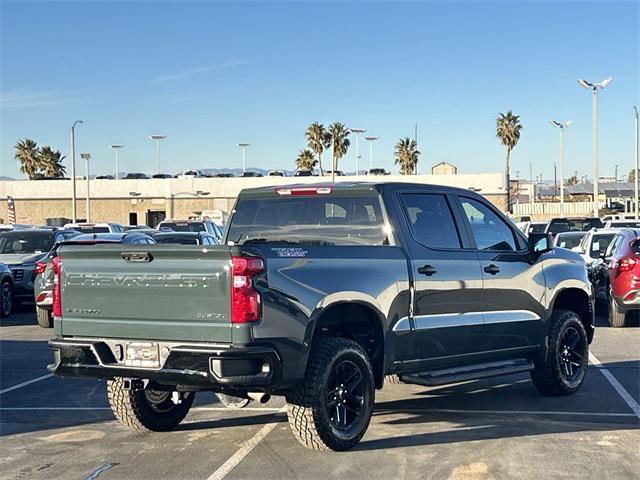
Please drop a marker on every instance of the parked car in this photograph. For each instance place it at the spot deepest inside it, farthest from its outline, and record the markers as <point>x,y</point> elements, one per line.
<point>616,207</point>
<point>592,249</point>
<point>529,226</point>
<point>190,174</point>
<point>606,218</point>
<point>192,226</point>
<point>319,292</point>
<point>94,227</point>
<point>277,173</point>
<point>43,283</point>
<point>303,173</point>
<point>251,174</point>
<point>21,249</point>
<point>568,240</point>
<point>224,175</point>
<point>622,224</point>
<point>328,173</point>
<point>136,176</point>
<point>377,171</point>
<point>6,291</point>
<point>105,177</point>
<point>126,228</point>
<point>623,264</point>
<point>578,224</point>
<point>11,226</point>
<point>161,175</point>
<point>186,238</point>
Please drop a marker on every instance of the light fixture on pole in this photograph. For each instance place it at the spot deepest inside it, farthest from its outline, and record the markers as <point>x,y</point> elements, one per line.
<point>635,176</point>
<point>87,157</point>
<point>358,131</point>
<point>594,121</point>
<point>74,215</point>
<point>243,146</point>
<point>116,147</point>
<point>561,126</point>
<point>157,138</point>
<point>371,140</point>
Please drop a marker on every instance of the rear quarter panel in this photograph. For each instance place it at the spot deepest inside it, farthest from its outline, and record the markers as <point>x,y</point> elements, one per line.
<point>302,287</point>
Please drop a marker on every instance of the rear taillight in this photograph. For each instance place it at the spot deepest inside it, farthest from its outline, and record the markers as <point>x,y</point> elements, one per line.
<point>245,301</point>
<point>626,264</point>
<point>40,268</point>
<point>56,265</point>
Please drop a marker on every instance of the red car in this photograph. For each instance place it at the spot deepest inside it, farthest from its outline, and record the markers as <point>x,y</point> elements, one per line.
<point>623,257</point>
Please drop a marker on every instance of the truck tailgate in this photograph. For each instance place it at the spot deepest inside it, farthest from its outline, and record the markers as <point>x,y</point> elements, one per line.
<point>150,292</point>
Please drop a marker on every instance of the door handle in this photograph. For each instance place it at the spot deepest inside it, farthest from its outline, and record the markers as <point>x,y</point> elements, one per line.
<point>427,270</point>
<point>492,269</point>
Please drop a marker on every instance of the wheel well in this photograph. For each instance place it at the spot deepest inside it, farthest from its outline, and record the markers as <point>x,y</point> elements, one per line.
<point>362,325</point>
<point>577,301</point>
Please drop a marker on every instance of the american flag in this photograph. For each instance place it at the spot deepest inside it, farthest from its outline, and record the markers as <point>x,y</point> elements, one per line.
<point>11,207</point>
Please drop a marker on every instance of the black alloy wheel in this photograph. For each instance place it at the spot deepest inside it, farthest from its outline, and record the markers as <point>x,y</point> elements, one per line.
<point>346,395</point>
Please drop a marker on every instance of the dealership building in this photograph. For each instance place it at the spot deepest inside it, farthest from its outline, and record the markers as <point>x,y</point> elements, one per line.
<point>148,201</point>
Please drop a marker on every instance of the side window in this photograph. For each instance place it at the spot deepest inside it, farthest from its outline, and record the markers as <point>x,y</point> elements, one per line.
<point>612,246</point>
<point>430,220</point>
<point>489,230</point>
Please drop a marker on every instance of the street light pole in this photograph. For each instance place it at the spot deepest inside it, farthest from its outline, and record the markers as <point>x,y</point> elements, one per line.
<point>358,131</point>
<point>116,148</point>
<point>87,157</point>
<point>243,146</point>
<point>594,121</point>
<point>371,140</point>
<point>157,138</point>
<point>561,126</point>
<point>74,215</point>
<point>635,176</point>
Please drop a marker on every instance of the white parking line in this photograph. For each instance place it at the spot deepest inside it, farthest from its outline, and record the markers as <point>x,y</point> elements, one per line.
<point>24,384</point>
<point>504,412</point>
<point>633,405</point>
<point>245,450</point>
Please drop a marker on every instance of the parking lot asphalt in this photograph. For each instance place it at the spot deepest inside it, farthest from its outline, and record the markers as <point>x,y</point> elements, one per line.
<point>487,429</point>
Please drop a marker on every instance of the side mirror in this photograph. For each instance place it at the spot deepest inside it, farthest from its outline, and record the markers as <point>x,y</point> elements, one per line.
<point>540,242</point>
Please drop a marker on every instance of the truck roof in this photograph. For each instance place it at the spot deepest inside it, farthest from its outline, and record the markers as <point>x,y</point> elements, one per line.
<point>353,187</point>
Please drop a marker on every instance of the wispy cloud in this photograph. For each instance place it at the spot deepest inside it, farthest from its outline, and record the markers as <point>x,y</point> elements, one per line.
<point>27,97</point>
<point>199,70</point>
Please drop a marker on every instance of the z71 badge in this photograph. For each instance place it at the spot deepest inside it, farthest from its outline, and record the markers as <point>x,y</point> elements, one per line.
<point>290,252</point>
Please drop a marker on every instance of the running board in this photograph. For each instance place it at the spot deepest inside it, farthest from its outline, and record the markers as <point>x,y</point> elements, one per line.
<point>468,372</point>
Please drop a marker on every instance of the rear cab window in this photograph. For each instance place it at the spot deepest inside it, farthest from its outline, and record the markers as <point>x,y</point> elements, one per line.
<point>430,220</point>
<point>314,220</point>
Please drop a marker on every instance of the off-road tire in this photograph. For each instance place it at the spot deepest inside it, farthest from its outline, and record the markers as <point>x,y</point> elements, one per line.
<point>395,379</point>
<point>6,299</point>
<point>45,319</point>
<point>133,409</point>
<point>547,375</point>
<point>306,406</point>
<point>617,318</point>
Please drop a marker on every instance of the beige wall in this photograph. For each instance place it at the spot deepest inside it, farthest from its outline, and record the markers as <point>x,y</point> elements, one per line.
<point>113,200</point>
<point>444,169</point>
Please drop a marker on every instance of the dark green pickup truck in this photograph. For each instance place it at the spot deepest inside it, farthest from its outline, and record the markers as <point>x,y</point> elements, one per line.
<point>320,293</point>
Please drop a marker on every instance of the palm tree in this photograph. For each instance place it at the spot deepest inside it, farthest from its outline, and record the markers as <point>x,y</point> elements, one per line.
<point>318,139</point>
<point>338,136</point>
<point>305,161</point>
<point>407,155</point>
<point>26,152</point>
<point>508,131</point>
<point>51,162</point>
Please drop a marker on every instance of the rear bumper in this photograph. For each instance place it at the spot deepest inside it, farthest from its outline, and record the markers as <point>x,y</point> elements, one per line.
<point>629,301</point>
<point>212,367</point>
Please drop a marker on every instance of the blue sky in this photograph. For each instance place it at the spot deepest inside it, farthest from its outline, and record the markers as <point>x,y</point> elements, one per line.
<point>208,74</point>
